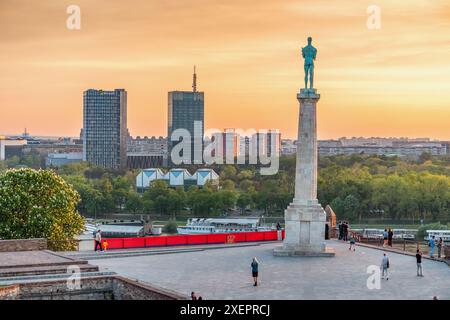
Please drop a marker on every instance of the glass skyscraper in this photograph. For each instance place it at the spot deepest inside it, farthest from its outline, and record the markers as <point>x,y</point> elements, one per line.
<point>105,128</point>
<point>185,108</point>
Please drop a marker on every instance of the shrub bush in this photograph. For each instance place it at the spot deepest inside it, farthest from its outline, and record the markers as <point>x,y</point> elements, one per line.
<point>422,231</point>
<point>170,227</point>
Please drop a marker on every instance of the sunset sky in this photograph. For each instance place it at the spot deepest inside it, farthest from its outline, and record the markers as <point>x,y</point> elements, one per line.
<point>389,82</point>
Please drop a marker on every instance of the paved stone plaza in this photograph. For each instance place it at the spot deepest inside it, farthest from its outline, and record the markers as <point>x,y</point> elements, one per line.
<point>225,274</point>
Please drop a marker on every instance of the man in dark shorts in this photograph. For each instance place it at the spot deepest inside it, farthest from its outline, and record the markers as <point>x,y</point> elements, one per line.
<point>254,266</point>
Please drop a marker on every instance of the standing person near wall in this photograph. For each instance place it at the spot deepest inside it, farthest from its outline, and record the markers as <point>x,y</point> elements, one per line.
<point>385,238</point>
<point>279,232</point>
<point>431,245</point>
<point>390,236</point>
<point>439,247</point>
<point>345,230</point>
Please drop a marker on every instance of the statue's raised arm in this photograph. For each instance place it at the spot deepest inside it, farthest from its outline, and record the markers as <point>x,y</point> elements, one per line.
<point>309,53</point>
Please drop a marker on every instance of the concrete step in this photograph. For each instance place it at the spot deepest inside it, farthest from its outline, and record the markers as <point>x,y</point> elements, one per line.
<point>43,258</point>
<point>43,270</point>
<point>51,277</point>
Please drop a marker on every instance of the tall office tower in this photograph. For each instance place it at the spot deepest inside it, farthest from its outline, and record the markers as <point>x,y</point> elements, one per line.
<point>273,142</point>
<point>186,111</point>
<point>105,128</point>
<point>230,145</point>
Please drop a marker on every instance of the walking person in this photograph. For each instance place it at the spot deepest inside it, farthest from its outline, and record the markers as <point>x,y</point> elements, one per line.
<point>352,243</point>
<point>254,265</point>
<point>385,238</point>
<point>98,240</point>
<point>385,266</point>
<point>193,296</point>
<point>439,247</point>
<point>105,245</point>
<point>419,263</point>
<point>431,245</point>
<point>390,236</point>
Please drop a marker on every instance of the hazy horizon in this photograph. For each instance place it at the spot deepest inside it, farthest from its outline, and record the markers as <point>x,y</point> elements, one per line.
<point>282,137</point>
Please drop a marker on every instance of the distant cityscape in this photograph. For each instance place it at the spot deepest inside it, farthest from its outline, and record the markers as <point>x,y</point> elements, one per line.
<point>106,142</point>
<point>402,147</point>
<point>152,152</point>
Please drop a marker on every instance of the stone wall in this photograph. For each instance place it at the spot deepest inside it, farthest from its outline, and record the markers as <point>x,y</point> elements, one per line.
<point>95,288</point>
<point>98,288</point>
<point>126,289</point>
<point>23,245</point>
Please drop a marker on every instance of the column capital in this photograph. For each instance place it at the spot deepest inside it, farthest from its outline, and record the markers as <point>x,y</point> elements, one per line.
<point>308,94</point>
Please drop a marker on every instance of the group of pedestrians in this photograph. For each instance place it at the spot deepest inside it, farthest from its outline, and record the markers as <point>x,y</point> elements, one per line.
<point>384,267</point>
<point>385,261</point>
<point>103,245</point>
<point>343,228</point>
<point>388,234</point>
<point>432,243</point>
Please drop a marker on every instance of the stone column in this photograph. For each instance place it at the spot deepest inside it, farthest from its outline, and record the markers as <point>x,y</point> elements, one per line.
<point>306,167</point>
<point>305,217</point>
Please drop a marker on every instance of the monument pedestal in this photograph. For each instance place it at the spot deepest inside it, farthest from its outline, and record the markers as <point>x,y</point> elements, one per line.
<point>305,218</point>
<point>305,231</point>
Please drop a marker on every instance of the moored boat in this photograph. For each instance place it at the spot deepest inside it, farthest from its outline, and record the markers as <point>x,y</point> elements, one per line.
<point>222,225</point>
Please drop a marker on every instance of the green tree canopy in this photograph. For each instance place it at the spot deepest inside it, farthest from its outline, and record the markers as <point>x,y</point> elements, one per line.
<point>39,204</point>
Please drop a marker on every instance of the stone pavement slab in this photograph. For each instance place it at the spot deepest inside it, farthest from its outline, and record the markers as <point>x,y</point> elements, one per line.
<point>225,274</point>
<point>31,258</point>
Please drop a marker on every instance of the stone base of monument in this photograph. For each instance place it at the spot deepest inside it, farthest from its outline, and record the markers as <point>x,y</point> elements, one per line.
<point>305,231</point>
<point>303,252</point>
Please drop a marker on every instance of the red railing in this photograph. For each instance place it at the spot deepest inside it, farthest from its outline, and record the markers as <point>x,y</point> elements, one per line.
<point>192,239</point>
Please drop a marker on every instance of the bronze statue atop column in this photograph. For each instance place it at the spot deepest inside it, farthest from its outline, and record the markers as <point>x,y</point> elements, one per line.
<point>309,54</point>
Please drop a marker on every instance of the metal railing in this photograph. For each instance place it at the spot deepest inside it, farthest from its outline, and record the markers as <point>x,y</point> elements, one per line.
<point>406,245</point>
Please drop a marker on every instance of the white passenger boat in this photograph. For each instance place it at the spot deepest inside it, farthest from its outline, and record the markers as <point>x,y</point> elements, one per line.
<point>407,234</point>
<point>444,234</point>
<point>223,225</point>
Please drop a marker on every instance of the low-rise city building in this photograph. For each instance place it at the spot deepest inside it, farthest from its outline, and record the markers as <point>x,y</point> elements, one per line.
<point>6,142</point>
<point>146,152</point>
<point>177,177</point>
<point>61,159</point>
